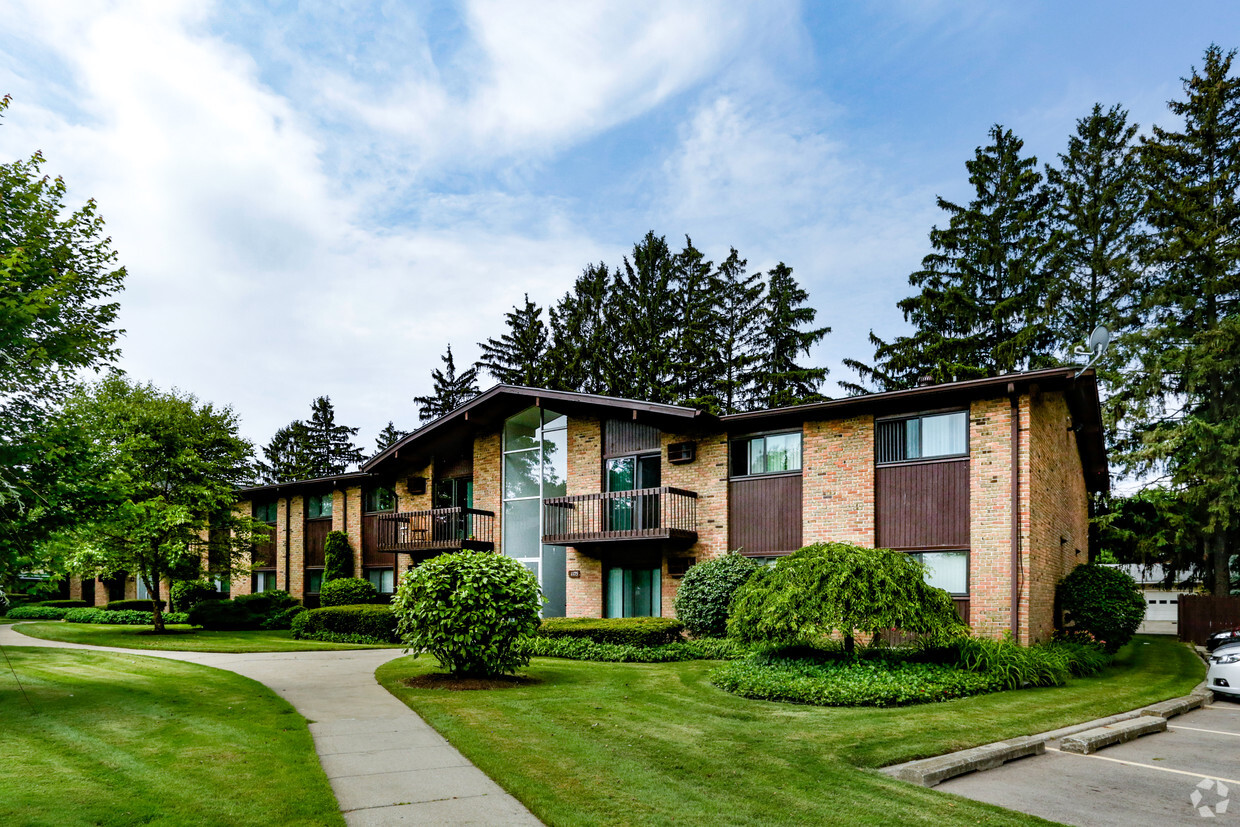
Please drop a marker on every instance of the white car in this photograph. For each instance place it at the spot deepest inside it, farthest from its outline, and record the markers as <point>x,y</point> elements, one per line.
<point>1223,676</point>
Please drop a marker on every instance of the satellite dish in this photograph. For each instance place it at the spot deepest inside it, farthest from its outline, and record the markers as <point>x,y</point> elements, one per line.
<point>1098,341</point>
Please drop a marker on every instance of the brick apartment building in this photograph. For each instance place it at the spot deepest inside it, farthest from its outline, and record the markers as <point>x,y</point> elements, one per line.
<point>608,501</point>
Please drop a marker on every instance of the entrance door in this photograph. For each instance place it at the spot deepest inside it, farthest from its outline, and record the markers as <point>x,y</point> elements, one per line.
<point>633,592</point>
<point>626,474</point>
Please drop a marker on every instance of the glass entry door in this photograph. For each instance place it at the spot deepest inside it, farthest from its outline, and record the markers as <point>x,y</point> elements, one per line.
<point>633,593</point>
<point>625,474</point>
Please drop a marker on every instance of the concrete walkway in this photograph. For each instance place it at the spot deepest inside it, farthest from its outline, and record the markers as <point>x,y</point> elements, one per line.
<point>385,764</point>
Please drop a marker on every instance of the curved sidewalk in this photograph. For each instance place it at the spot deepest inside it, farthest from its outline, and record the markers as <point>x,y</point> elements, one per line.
<point>385,764</point>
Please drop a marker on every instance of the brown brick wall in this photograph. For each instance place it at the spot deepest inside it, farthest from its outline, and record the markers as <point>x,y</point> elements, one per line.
<point>1057,511</point>
<point>488,468</point>
<point>584,594</point>
<point>241,582</point>
<point>297,548</point>
<point>351,498</point>
<point>837,478</point>
<point>412,502</point>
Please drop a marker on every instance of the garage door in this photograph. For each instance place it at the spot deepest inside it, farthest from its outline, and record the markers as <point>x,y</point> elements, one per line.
<point>1162,606</point>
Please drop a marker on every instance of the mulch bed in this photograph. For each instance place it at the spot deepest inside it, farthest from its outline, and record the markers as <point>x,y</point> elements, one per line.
<point>440,680</point>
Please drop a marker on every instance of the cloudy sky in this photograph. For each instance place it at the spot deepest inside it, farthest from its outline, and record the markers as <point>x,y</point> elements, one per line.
<point>316,197</point>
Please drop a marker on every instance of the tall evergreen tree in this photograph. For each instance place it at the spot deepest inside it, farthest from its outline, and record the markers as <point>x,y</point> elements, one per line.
<point>449,390</point>
<point>388,437</point>
<point>785,335</point>
<point>645,320</point>
<point>982,309</point>
<point>1187,392</point>
<point>581,354</point>
<point>695,335</point>
<point>288,456</point>
<point>518,357</point>
<point>738,308</point>
<point>330,444</point>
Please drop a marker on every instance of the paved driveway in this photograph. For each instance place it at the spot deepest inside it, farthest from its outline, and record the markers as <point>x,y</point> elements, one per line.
<point>1156,780</point>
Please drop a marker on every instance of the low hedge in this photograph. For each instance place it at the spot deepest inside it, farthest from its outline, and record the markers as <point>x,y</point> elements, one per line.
<point>575,648</point>
<point>132,605</point>
<point>247,612</point>
<point>36,612</point>
<point>121,617</point>
<point>347,591</point>
<point>63,604</point>
<point>621,631</point>
<point>347,624</point>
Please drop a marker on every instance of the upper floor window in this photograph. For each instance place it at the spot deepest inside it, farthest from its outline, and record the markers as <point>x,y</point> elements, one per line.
<point>379,499</point>
<point>318,505</point>
<point>265,512</point>
<point>922,437</point>
<point>769,454</point>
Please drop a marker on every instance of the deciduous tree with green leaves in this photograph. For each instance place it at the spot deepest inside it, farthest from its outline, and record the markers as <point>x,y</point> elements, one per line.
<point>836,587</point>
<point>449,390</point>
<point>155,475</point>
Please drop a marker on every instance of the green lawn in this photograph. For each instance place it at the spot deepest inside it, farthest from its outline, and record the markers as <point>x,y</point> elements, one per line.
<point>117,739</point>
<point>139,637</point>
<point>595,743</point>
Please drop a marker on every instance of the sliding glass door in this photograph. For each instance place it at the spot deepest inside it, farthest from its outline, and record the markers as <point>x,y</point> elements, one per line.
<point>626,474</point>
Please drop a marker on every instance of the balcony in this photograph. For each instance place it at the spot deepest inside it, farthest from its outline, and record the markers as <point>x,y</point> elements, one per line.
<point>615,516</point>
<point>437,529</point>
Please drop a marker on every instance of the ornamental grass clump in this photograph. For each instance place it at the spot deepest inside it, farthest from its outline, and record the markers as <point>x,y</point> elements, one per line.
<point>471,610</point>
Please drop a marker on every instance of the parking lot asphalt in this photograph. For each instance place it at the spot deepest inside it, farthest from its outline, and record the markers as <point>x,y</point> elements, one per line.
<point>1161,779</point>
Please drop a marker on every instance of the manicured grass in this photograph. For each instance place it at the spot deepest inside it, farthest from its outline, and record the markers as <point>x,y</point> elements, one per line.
<point>139,637</point>
<point>595,743</point>
<point>121,739</point>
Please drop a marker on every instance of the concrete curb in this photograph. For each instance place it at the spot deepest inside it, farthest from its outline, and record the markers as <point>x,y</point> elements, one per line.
<point>1092,740</point>
<point>929,772</point>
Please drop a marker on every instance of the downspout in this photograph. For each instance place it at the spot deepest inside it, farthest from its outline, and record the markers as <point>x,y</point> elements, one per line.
<point>288,507</point>
<point>1015,566</point>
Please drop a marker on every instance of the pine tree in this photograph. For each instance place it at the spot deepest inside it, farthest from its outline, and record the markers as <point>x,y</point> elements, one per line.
<point>738,310</point>
<point>982,309</point>
<point>518,356</point>
<point>645,320</point>
<point>449,391</point>
<point>288,456</point>
<point>1187,392</point>
<point>330,444</point>
<point>581,354</point>
<point>779,380</point>
<point>695,336</point>
<point>388,437</point>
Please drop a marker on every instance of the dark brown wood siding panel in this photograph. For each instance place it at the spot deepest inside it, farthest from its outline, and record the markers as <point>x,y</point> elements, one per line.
<point>621,437</point>
<point>458,465</point>
<point>371,556</point>
<point>764,514</point>
<point>264,554</point>
<point>316,537</point>
<point>923,505</point>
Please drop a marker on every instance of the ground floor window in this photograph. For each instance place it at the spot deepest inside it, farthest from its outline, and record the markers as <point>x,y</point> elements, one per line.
<point>142,593</point>
<point>947,570</point>
<point>633,593</point>
<point>314,581</point>
<point>264,581</point>
<point>384,580</point>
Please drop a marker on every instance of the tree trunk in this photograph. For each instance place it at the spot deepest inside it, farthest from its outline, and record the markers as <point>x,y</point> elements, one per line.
<point>1222,561</point>
<point>157,614</point>
<point>849,644</point>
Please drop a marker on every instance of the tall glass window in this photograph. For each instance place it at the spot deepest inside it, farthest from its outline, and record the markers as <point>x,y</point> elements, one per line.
<point>535,466</point>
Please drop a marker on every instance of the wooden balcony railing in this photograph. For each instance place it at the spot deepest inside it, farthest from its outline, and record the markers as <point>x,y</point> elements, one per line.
<point>437,529</point>
<point>645,514</point>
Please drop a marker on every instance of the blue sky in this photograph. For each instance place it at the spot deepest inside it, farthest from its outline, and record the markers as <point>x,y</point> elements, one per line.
<point>318,197</point>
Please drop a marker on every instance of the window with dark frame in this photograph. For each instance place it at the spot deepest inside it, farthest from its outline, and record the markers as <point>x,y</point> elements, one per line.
<point>378,499</point>
<point>946,570</point>
<point>766,454</point>
<point>928,436</point>
<point>318,506</point>
<point>265,512</point>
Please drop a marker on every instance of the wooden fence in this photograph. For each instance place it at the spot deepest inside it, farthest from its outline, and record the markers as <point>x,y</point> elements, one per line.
<point>1202,614</point>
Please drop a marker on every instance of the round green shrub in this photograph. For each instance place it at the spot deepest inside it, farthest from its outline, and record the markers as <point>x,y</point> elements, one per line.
<point>337,557</point>
<point>706,592</point>
<point>245,612</point>
<point>347,591</point>
<point>347,624</point>
<point>1102,601</point>
<point>186,594</point>
<point>469,609</point>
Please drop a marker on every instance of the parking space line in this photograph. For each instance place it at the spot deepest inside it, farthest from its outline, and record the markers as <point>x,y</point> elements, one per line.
<point>1146,766</point>
<point>1212,731</point>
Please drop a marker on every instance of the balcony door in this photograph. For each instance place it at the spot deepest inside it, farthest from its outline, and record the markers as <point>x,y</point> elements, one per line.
<point>631,474</point>
<point>455,492</point>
